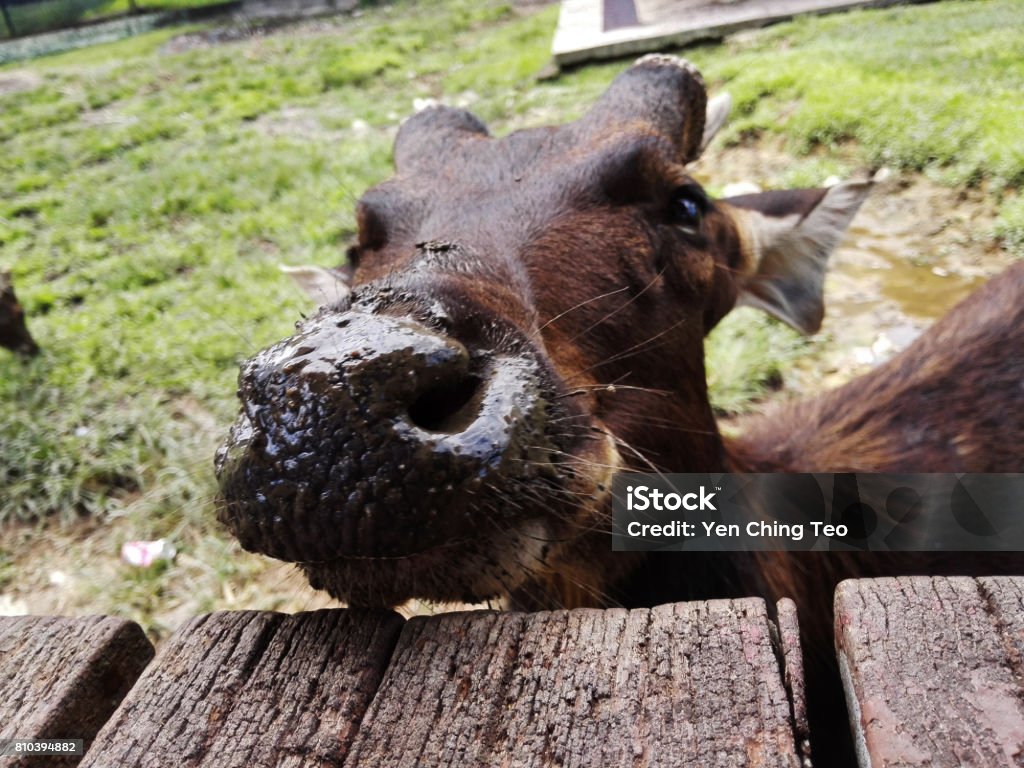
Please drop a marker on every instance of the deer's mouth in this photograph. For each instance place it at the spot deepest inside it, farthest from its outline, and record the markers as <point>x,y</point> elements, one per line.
<point>498,557</point>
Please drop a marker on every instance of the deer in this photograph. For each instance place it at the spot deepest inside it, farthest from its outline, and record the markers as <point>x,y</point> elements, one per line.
<point>523,317</point>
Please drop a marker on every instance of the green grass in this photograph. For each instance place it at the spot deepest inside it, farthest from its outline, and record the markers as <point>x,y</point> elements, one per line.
<point>1010,225</point>
<point>933,88</point>
<point>145,218</point>
<point>747,354</point>
<point>114,7</point>
<point>149,196</point>
<point>49,14</point>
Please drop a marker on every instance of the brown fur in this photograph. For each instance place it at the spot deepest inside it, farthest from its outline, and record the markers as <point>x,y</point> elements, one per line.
<point>952,402</point>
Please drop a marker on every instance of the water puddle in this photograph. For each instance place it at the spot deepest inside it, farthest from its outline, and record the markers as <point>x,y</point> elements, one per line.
<point>875,260</point>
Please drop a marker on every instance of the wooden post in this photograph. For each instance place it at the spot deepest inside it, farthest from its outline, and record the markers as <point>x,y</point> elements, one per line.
<point>932,669</point>
<point>688,684</point>
<point>61,678</point>
<point>247,690</point>
<point>705,684</point>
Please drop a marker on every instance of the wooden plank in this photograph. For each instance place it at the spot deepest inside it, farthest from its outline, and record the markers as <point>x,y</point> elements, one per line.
<point>682,684</point>
<point>63,677</point>
<point>582,33</point>
<point>252,689</point>
<point>933,670</point>
<point>616,14</point>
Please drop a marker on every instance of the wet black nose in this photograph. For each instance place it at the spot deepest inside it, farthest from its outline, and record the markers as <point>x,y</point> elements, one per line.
<point>388,369</point>
<point>369,434</point>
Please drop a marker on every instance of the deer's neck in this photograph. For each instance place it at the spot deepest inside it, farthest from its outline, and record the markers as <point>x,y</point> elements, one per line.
<point>952,402</point>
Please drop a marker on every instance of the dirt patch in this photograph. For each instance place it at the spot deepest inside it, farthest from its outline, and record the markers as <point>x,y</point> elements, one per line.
<point>108,117</point>
<point>19,80</point>
<point>76,569</point>
<point>208,38</point>
<point>915,250</point>
<point>189,409</point>
<point>310,123</point>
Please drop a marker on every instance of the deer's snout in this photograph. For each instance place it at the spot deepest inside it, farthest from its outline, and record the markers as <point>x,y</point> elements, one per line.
<point>370,435</point>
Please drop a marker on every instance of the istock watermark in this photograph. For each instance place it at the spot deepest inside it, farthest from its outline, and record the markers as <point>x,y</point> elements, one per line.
<point>640,498</point>
<point>837,512</point>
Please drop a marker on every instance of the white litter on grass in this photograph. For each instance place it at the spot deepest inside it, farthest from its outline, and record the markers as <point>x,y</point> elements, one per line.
<point>883,348</point>
<point>863,356</point>
<point>882,175</point>
<point>737,188</point>
<point>10,606</point>
<point>144,553</point>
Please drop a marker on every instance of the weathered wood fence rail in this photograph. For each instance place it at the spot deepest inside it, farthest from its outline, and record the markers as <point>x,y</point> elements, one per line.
<point>933,668</point>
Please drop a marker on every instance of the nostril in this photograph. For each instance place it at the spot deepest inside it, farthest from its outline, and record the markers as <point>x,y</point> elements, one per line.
<point>450,407</point>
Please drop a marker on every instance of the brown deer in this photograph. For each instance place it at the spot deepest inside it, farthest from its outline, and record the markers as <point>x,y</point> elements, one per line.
<point>522,317</point>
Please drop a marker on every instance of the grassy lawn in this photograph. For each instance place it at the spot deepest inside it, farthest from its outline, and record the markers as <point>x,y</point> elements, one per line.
<point>151,187</point>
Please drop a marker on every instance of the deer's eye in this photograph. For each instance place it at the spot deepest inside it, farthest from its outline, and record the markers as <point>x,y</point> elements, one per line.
<point>689,204</point>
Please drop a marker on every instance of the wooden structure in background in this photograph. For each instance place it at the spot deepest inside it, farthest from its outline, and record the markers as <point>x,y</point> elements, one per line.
<point>607,29</point>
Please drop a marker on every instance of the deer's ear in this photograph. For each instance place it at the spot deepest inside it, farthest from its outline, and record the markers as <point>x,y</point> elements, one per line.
<point>787,238</point>
<point>324,286</point>
<point>717,113</point>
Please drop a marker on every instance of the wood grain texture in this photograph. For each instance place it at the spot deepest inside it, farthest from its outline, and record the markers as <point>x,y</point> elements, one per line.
<point>685,684</point>
<point>63,677</point>
<point>793,674</point>
<point>933,670</point>
<point>252,689</point>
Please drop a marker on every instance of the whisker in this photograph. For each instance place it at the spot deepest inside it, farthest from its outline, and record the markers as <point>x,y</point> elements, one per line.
<point>584,389</point>
<point>635,349</point>
<point>578,306</point>
<point>618,309</point>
